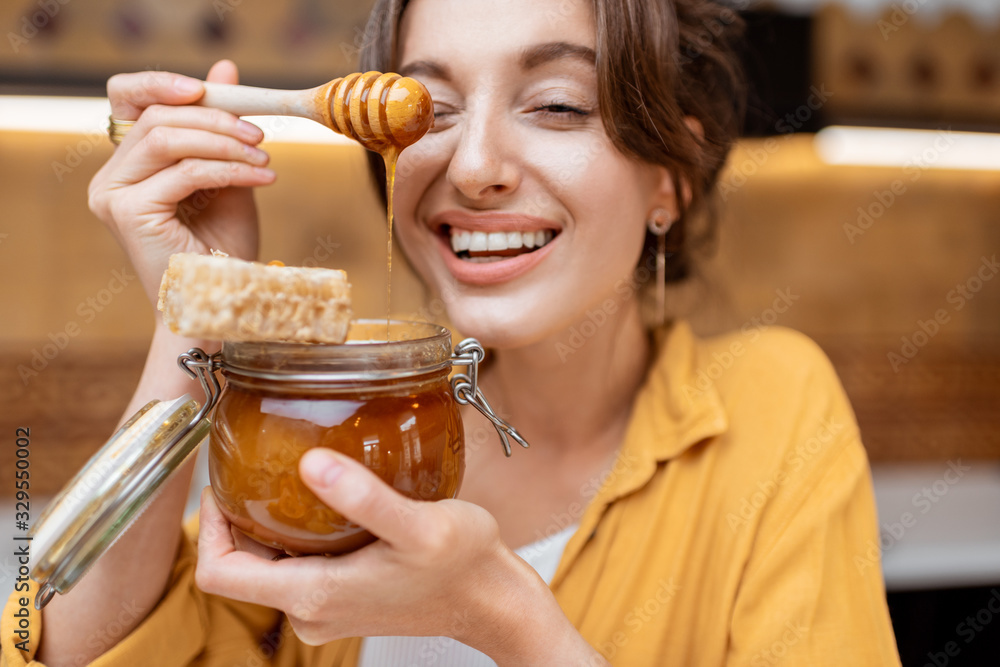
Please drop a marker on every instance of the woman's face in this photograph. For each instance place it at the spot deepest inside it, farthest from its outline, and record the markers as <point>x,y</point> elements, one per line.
<point>518,158</point>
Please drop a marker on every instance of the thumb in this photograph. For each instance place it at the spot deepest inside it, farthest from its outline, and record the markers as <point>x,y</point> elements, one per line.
<point>354,491</point>
<point>224,71</point>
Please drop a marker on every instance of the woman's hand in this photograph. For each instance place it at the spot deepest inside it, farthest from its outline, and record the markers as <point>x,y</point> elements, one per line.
<point>438,569</point>
<point>179,180</point>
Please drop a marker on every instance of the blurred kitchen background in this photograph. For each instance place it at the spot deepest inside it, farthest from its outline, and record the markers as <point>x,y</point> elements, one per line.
<point>866,190</point>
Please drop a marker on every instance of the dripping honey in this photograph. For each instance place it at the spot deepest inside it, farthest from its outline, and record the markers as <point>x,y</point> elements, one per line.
<point>389,156</point>
<point>401,122</point>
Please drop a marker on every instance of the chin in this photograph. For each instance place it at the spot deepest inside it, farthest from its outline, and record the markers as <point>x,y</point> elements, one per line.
<point>501,323</point>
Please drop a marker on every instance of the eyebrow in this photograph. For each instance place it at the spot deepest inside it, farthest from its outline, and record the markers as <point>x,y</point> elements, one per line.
<point>531,58</point>
<point>541,54</point>
<point>426,68</point>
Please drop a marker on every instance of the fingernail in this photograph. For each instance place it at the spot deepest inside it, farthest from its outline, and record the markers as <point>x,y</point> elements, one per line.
<point>255,155</point>
<point>187,85</point>
<point>323,467</point>
<point>249,131</point>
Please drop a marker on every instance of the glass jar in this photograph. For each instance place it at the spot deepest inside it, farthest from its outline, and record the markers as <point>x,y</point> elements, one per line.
<point>388,405</point>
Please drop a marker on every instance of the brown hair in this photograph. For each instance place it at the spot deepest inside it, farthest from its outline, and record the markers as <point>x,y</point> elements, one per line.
<point>658,62</point>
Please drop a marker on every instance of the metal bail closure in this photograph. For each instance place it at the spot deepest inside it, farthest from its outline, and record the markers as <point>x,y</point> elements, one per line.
<point>466,389</point>
<point>91,512</point>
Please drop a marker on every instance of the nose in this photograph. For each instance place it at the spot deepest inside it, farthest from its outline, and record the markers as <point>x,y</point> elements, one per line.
<point>483,167</point>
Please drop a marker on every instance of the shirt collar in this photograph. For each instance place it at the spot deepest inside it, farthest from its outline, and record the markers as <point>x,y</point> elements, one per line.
<point>679,397</point>
<point>675,408</point>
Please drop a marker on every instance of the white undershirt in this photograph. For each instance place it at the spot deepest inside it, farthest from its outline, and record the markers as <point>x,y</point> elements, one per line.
<point>543,555</point>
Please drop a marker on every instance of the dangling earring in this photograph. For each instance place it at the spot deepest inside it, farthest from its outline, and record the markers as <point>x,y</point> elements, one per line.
<point>659,223</point>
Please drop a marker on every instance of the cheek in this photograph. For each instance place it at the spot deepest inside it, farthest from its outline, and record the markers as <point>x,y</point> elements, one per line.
<point>592,179</point>
<point>607,196</point>
<point>576,164</point>
<point>609,203</point>
<point>418,167</point>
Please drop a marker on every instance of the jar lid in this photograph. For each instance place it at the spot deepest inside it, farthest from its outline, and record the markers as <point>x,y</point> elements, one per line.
<point>110,492</point>
<point>375,350</point>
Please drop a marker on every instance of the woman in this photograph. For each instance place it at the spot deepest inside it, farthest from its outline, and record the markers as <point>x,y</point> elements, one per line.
<point>694,515</point>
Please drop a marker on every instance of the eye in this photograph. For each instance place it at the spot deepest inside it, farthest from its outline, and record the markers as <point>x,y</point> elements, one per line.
<point>559,109</point>
<point>443,116</point>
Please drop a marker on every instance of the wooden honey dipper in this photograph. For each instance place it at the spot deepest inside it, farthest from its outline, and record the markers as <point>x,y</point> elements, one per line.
<point>402,111</point>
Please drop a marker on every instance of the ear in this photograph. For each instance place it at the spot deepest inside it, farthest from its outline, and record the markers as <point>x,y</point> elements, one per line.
<point>666,194</point>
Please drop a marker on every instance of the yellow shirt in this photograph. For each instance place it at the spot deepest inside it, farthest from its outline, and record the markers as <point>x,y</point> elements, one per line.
<point>736,528</point>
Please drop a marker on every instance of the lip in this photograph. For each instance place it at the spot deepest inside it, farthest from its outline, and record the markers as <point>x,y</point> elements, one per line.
<point>500,271</point>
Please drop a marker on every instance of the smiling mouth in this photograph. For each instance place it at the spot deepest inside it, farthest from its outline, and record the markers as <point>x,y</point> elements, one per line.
<point>484,247</point>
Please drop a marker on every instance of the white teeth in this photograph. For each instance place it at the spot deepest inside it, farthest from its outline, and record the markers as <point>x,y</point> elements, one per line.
<point>462,240</point>
<point>484,260</point>
<point>496,241</point>
<point>478,242</point>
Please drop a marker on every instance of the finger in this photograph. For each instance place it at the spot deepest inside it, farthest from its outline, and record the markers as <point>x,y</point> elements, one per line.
<point>194,118</point>
<point>214,537</point>
<point>247,544</point>
<point>357,493</point>
<point>223,71</point>
<point>131,93</point>
<point>223,569</point>
<point>173,184</point>
<point>163,146</point>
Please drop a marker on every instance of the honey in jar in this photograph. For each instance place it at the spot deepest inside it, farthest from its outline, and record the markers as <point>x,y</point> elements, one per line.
<point>388,405</point>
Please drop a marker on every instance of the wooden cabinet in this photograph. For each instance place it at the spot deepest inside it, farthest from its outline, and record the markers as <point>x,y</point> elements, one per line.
<point>71,43</point>
<point>904,65</point>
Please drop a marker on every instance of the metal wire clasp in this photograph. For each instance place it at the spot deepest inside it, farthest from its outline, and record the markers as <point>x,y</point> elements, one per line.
<point>466,389</point>
<point>201,366</point>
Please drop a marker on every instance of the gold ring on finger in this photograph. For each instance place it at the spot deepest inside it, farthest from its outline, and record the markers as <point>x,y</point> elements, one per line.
<point>117,129</point>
